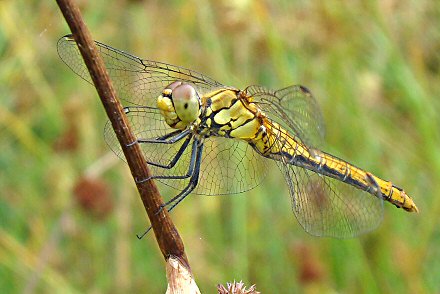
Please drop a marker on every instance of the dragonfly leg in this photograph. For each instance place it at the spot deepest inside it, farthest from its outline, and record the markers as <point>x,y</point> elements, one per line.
<point>190,169</point>
<point>175,136</point>
<point>170,138</point>
<point>176,157</point>
<point>196,159</point>
<point>144,233</point>
<point>191,185</point>
<point>169,135</point>
<point>180,198</point>
<point>174,201</point>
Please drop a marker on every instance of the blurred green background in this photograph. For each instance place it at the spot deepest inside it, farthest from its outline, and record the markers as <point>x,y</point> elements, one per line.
<point>69,210</point>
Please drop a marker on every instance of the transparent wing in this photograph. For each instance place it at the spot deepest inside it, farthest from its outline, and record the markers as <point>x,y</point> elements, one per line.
<point>228,166</point>
<point>137,81</point>
<point>328,207</point>
<point>295,109</point>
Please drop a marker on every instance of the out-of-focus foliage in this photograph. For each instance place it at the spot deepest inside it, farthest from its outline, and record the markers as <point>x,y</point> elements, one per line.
<point>69,211</point>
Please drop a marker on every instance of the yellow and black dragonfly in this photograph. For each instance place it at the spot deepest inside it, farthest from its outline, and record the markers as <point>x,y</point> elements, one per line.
<point>200,136</point>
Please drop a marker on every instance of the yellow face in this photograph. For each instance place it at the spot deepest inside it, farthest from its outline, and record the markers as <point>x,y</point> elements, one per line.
<point>179,104</point>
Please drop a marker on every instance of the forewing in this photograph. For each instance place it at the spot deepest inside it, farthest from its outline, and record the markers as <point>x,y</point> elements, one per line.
<point>137,81</point>
<point>327,207</point>
<point>295,109</point>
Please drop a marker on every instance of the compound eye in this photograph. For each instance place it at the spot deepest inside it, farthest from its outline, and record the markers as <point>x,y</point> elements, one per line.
<point>173,85</point>
<point>186,102</point>
<point>169,89</point>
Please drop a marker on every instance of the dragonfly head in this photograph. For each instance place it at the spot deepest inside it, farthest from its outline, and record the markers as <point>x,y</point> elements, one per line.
<point>179,104</point>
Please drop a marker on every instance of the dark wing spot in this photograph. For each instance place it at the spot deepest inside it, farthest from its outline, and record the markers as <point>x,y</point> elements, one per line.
<point>185,105</point>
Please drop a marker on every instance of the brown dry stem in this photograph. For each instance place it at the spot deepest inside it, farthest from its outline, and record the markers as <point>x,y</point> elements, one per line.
<point>166,233</point>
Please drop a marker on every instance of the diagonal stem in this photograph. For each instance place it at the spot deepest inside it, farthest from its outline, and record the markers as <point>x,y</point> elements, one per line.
<point>166,233</point>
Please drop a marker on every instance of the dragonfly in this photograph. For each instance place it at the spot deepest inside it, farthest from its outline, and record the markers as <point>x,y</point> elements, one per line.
<point>202,137</point>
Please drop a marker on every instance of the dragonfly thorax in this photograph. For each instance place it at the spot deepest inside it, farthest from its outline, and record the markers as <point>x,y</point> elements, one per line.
<point>179,104</point>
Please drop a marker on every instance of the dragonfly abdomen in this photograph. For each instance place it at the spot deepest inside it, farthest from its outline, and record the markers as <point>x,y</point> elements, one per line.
<point>331,166</point>
<point>278,144</point>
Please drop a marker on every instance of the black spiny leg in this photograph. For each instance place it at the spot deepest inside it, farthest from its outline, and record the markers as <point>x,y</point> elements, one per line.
<point>169,138</point>
<point>192,182</point>
<point>173,137</point>
<point>176,157</point>
<point>194,171</point>
<point>190,169</point>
